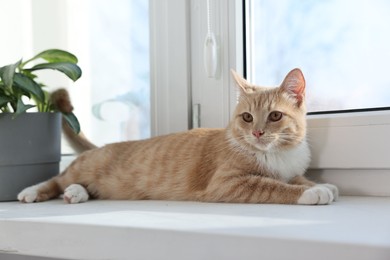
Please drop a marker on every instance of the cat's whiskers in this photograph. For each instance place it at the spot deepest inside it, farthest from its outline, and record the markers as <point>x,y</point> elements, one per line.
<point>290,138</point>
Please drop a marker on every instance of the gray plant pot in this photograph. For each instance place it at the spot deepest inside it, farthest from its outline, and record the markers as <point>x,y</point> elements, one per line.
<point>30,151</point>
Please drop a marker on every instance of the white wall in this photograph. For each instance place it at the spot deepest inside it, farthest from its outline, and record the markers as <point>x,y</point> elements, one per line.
<point>16,31</point>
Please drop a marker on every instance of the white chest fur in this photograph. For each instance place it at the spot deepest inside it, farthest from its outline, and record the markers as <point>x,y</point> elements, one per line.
<point>286,164</point>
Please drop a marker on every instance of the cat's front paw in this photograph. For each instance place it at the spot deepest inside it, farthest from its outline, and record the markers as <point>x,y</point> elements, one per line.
<point>29,194</point>
<point>333,188</point>
<point>75,193</point>
<point>316,195</point>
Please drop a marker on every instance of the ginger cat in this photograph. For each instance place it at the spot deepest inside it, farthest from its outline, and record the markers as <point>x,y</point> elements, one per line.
<point>260,157</point>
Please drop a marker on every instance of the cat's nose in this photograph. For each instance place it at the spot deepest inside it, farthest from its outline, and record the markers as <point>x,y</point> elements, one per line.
<point>258,133</point>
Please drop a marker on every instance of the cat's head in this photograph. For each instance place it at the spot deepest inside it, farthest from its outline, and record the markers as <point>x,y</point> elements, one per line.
<point>268,119</point>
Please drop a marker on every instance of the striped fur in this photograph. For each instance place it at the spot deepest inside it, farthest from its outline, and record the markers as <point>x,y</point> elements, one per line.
<point>212,165</point>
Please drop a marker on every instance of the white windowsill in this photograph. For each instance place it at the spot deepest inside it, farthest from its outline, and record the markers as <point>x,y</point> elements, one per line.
<point>352,228</point>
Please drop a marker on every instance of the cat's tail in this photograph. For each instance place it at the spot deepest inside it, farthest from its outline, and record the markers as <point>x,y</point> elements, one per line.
<point>61,101</point>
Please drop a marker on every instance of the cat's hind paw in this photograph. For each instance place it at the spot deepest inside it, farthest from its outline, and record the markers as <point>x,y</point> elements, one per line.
<point>75,193</point>
<point>316,195</point>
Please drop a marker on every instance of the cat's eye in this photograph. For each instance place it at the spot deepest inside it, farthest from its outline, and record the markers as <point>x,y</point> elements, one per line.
<point>247,117</point>
<point>275,116</point>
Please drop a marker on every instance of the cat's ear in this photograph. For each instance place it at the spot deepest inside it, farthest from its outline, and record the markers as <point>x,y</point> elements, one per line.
<point>294,85</point>
<point>244,85</point>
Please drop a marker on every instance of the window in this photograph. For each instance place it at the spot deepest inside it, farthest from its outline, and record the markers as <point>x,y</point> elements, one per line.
<point>111,41</point>
<point>342,51</point>
<point>350,150</point>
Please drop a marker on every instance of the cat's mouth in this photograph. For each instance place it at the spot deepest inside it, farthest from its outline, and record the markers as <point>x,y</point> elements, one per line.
<point>262,144</point>
<point>263,147</point>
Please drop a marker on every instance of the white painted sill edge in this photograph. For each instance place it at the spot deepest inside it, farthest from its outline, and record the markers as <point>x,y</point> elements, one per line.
<point>351,228</point>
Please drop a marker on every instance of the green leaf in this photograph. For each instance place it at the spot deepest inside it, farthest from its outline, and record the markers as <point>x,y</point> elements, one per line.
<point>4,100</point>
<point>17,92</point>
<point>25,83</point>
<point>21,108</point>
<point>29,74</point>
<point>55,55</point>
<point>7,74</point>
<point>72,121</point>
<point>69,69</point>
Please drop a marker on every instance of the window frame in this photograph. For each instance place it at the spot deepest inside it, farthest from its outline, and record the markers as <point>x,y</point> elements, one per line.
<point>170,65</point>
<point>350,150</point>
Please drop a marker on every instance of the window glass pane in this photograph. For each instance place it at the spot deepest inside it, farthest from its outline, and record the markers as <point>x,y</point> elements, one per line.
<point>118,68</point>
<point>342,46</point>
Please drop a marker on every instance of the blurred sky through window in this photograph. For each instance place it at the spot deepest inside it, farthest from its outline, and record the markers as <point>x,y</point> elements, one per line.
<point>342,47</point>
<point>119,48</point>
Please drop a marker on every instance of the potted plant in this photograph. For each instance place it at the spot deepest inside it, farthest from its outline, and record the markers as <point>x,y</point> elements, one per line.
<point>30,143</point>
